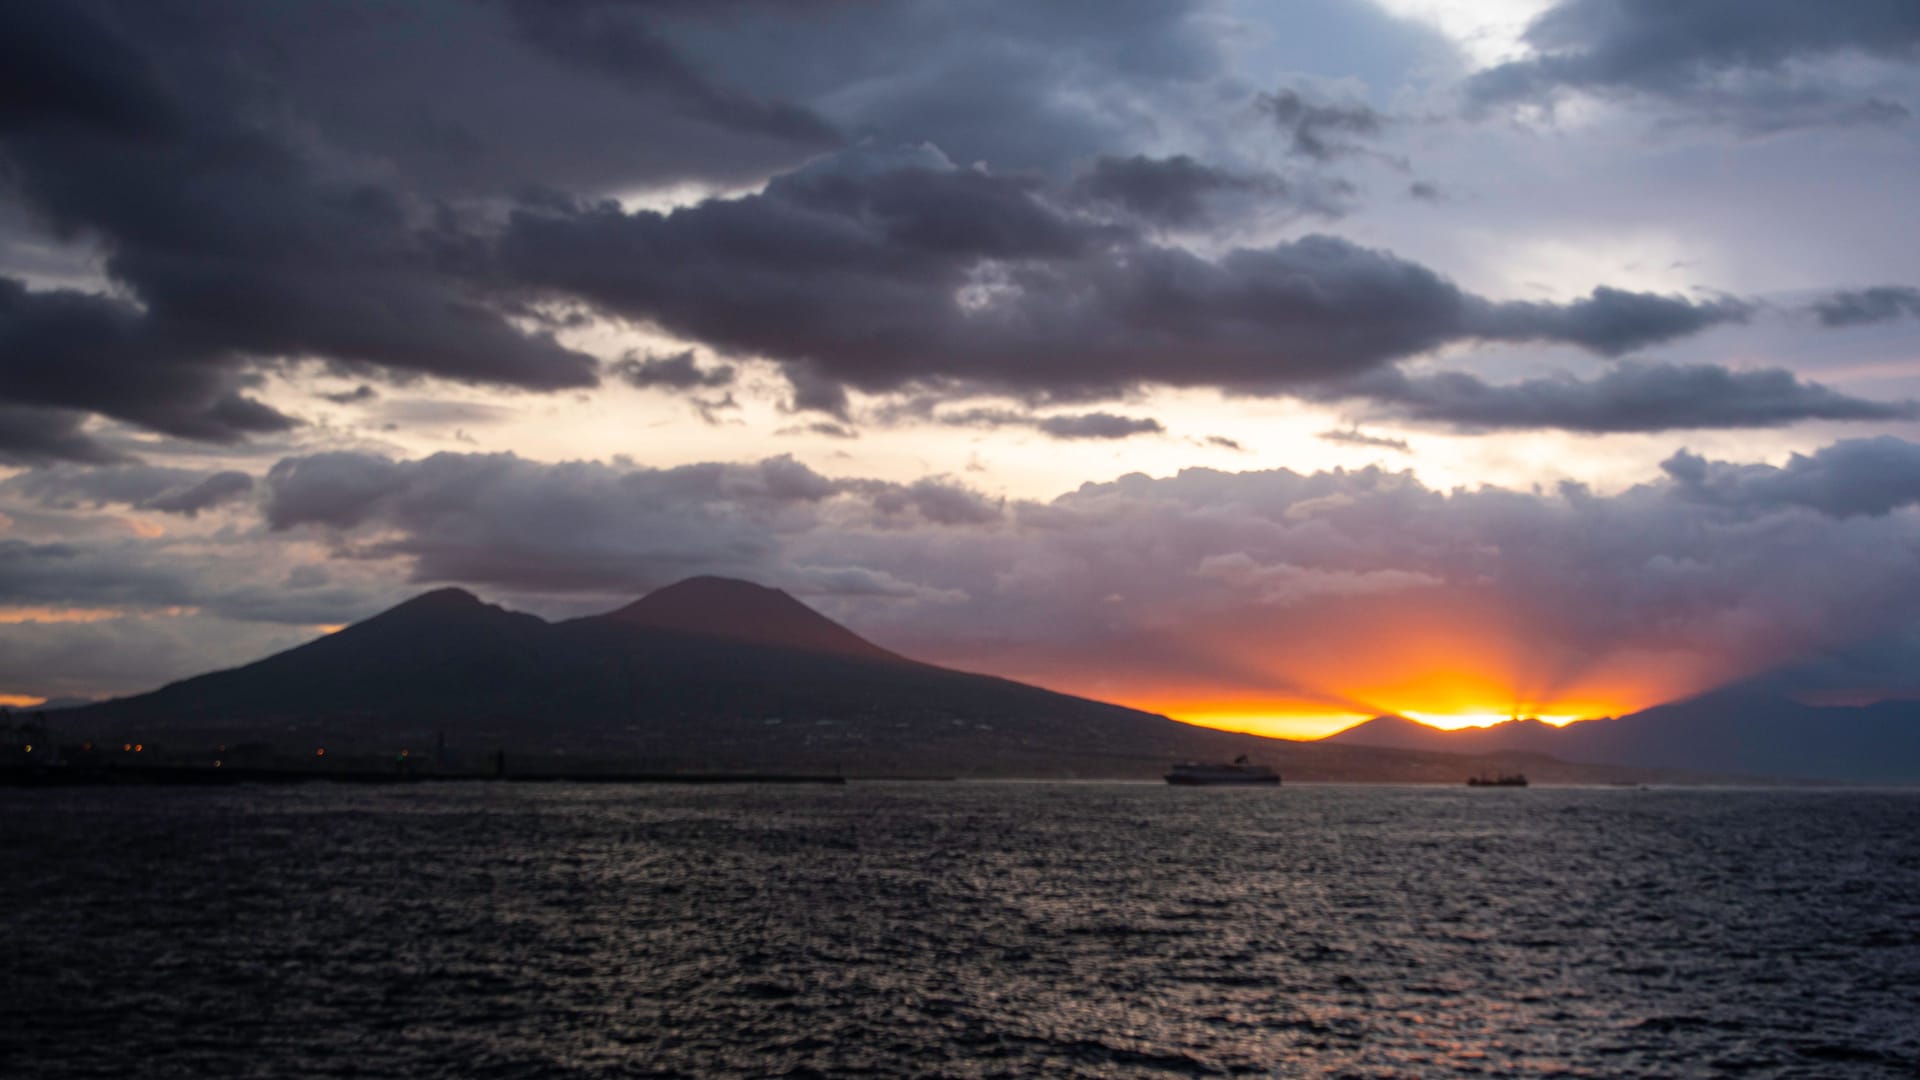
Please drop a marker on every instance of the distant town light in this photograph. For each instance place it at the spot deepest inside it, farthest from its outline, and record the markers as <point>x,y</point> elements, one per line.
<point>126,746</point>
<point>322,752</point>
<point>216,763</point>
<point>29,748</point>
<point>138,747</point>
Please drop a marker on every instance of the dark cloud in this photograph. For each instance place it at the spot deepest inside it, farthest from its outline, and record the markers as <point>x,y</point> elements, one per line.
<point>710,408</point>
<point>78,351</point>
<point>1321,130</point>
<point>1861,306</point>
<point>1356,437</point>
<point>883,271</point>
<point>1020,86</point>
<point>239,249</point>
<point>824,427</point>
<point>142,487</point>
<point>484,96</point>
<point>33,436</point>
<point>1098,426</point>
<point>581,526</point>
<point>130,484</point>
<point>433,413</point>
<point>221,487</point>
<point>1224,443</point>
<point>932,501</point>
<point>1612,321</point>
<point>614,41</point>
<point>1166,191</point>
<point>72,574</point>
<point>1094,425</point>
<point>253,214</point>
<point>676,371</point>
<point>1853,477</point>
<point>1628,397</point>
<point>1740,61</point>
<point>355,396</point>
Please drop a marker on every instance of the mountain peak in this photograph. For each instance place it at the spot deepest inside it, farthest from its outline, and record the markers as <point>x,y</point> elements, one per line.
<point>435,610</point>
<point>437,603</point>
<point>449,597</point>
<point>736,610</point>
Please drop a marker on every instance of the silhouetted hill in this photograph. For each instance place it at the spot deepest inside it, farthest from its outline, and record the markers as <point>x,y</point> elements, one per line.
<point>727,609</point>
<point>1400,733</point>
<point>1751,729</point>
<point>707,674</point>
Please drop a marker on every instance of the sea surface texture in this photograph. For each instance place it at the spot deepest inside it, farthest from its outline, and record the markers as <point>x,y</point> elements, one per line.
<point>495,930</point>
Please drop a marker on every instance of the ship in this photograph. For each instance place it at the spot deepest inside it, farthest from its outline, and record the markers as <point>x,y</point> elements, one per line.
<point>1241,771</point>
<point>1502,780</point>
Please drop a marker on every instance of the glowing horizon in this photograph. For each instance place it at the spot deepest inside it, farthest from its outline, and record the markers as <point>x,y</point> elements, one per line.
<point>1310,726</point>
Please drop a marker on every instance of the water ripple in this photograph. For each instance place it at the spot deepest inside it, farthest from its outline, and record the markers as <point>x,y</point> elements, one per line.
<point>958,930</point>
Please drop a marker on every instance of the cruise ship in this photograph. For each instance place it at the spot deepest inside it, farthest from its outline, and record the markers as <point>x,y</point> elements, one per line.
<point>1241,771</point>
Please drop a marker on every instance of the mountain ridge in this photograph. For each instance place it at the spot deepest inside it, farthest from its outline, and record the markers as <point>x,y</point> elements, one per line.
<point>1747,729</point>
<point>691,682</point>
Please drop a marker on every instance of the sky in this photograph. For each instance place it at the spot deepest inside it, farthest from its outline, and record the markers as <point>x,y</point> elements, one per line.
<point>1269,365</point>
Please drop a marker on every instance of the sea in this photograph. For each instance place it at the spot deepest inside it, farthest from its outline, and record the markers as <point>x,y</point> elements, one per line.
<point>958,929</point>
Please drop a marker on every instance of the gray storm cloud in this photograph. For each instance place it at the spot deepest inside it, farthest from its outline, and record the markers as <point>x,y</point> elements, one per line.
<point>1852,478</point>
<point>252,211</point>
<point>1628,397</point>
<point>1743,62</point>
<point>883,271</point>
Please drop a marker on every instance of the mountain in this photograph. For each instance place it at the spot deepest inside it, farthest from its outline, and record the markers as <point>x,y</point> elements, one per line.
<point>726,609</point>
<point>1400,733</point>
<point>709,673</point>
<point>1751,729</point>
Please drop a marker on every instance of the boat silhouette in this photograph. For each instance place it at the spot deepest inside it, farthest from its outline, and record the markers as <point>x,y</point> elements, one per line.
<point>1502,780</point>
<point>1241,771</point>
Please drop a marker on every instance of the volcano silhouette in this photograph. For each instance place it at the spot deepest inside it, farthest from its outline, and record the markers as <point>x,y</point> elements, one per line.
<point>709,672</point>
<point>706,674</point>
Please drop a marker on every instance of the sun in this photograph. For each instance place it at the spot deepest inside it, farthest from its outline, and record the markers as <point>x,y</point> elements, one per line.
<point>1452,721</point>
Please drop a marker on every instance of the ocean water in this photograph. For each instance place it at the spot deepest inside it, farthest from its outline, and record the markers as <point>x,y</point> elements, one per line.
<point>485,930</point>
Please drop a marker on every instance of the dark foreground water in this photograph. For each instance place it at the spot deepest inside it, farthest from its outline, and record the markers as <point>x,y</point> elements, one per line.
<point>964,930</point>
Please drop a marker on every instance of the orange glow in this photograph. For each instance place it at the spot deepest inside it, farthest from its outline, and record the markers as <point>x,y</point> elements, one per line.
<point>139,748</point>
<point>330,628</point>
<point>10,614</point>
<point>322,752</point>
<point>21,701</point>
<point>28,614</point>
<point>1452,722</point>
<point>1448,657</point>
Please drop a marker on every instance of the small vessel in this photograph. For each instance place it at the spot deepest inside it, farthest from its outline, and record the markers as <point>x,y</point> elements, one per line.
<point>1241,771</point>
<point>1502,780</point>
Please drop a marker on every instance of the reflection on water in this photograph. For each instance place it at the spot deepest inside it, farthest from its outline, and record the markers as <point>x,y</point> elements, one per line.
<point>970,930</point>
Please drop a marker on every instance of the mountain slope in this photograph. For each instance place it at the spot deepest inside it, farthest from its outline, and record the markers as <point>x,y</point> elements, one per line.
<point>1743,730</point>
<point>706,674</point>
<point>430,657</point>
